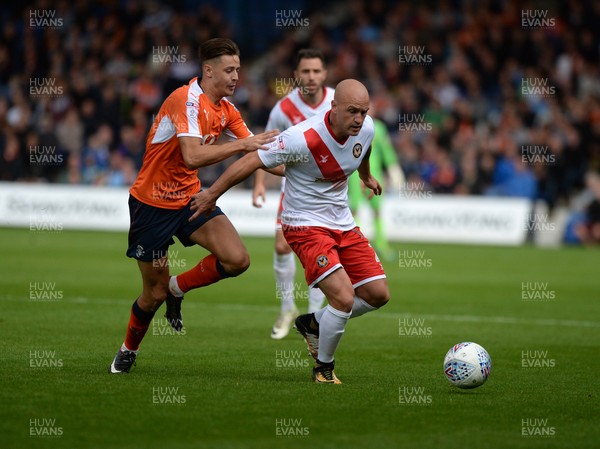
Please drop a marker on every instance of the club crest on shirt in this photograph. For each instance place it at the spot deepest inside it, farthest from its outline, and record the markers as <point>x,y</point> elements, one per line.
<point>357,150</point>
<point>324,158</point>
<point>280,143</point>
<point>322,261</point>
<point>222,119</point>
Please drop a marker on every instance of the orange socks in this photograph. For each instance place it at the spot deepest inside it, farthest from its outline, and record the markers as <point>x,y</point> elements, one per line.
<point>207,272</point>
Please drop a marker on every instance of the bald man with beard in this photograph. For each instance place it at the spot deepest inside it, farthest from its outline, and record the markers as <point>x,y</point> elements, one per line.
<point>317,156</point>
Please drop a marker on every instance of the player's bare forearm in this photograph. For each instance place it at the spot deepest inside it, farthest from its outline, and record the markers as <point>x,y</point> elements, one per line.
<point>236,173</point>
<point>196,155</point>
<point>259,179</point>
<point>364,173</point>
<point>205,201</point>
<point>258,190</point>
<point>277,171</point>
<point>364,169</point>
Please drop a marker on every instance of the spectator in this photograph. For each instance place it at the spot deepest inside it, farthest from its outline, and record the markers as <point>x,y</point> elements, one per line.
<point>588,230</point>
<point>95,159</point>
<point>70,131</point>
<point>131,145</point>
<point>470,90</point>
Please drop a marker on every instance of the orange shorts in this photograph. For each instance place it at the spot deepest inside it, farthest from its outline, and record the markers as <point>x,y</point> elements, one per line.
<point>322,251</point>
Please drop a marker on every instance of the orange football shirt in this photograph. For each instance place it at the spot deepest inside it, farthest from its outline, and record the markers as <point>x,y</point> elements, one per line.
<point>164,180</point>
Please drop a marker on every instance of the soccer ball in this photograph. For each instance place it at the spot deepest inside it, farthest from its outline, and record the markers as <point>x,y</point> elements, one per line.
<point>467,365</point>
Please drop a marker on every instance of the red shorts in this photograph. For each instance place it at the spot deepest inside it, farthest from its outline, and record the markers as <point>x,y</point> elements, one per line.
<point>322,251</point>
<point>279,212</point>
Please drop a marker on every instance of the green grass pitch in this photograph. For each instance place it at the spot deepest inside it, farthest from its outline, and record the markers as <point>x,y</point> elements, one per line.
<point>66,297</point>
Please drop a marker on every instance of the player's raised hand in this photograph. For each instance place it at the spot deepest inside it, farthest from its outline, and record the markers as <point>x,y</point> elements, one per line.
<point>202,202</point>
<point>259,194</point>
<point>259,141</point>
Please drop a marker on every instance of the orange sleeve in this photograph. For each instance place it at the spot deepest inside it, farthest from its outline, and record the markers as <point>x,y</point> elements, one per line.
<point>236,127</point>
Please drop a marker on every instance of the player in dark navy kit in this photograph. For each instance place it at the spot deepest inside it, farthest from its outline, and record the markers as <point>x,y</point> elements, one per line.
<point>189,121</point>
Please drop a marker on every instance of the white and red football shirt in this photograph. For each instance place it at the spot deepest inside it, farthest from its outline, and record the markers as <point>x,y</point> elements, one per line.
<point>292,109</point>
<point>317,169</point>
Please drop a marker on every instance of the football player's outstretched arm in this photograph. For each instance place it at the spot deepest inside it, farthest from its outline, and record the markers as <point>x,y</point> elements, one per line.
<point>206,200</point>
<point>196,155</point>
<point>259,190</point>
<point>364,172</point>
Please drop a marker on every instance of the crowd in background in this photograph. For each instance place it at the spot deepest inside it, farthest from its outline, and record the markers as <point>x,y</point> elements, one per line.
<point>462,118</point>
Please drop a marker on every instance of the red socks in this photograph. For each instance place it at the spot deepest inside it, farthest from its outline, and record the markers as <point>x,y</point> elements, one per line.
<point>207,272</point>
<point>139,321</point>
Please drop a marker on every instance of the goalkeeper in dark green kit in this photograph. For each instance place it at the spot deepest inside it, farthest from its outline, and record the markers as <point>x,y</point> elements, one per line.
<point>383,159</point>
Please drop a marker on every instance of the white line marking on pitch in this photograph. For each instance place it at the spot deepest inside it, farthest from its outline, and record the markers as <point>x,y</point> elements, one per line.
<point>380,314</point>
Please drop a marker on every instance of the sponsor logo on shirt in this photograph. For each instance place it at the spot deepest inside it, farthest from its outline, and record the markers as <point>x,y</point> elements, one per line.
<point>334,180</point>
